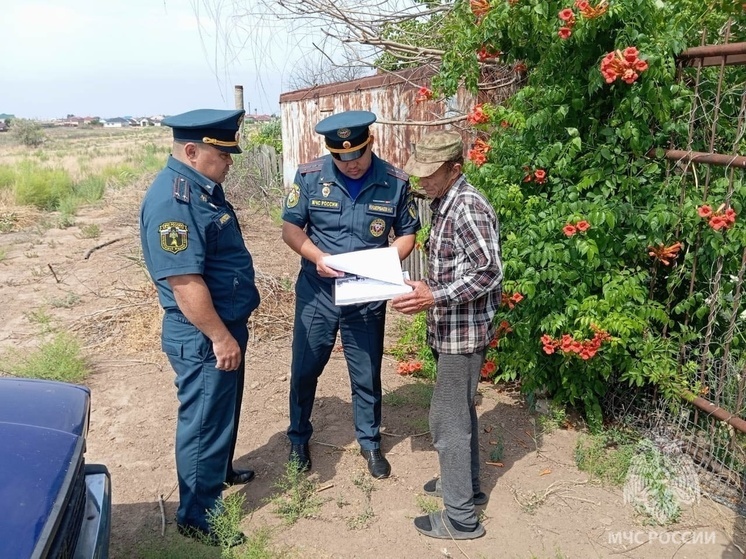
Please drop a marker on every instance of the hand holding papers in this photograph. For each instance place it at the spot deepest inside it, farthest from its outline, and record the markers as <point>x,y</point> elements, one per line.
<point>373,275</point>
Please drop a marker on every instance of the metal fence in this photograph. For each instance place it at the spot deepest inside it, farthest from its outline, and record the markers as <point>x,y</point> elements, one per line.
<point>708,426</point>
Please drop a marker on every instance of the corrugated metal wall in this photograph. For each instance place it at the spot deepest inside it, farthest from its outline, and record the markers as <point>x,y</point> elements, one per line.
<point>390,96</point>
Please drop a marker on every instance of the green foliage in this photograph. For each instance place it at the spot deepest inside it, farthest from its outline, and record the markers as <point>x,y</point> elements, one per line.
<point>593,143</point>
<point>66,302</point>
<point>411,347</point>
<point>90,231</point>
<point>118,176</point>
<point>7,176</point>
<point>27,132</point>
<point>660,481</point>
<point>427,504</point>
<point>91,188</point>
<point>606,455</point>
<point>41,187</point>
<point>297,497</point>
<point>554,418</point>
<point>265,134</point>
<point>362,520</point>
<point>224,522</point>
<point>57,359</point>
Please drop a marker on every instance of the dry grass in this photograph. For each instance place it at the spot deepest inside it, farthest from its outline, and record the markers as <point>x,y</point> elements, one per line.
<point>16,218</point>
<point>273,320</point>
<point>83,152</point>
<point>132,323</point>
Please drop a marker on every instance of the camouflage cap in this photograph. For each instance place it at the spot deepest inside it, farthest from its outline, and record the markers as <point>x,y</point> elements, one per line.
<point>434,149</point>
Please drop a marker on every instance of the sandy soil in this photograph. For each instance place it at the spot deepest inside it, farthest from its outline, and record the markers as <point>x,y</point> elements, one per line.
<point>540,504</point>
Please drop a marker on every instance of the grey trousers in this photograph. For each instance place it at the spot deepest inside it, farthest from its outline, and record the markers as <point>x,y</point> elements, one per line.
<point>455,432</point>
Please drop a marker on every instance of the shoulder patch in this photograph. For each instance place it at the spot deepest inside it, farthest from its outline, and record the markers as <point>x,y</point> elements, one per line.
<point>311,167</point>
<point>398,173</point>
<point>181,189</point>
<point>174,236</point>
<point>293,196</point>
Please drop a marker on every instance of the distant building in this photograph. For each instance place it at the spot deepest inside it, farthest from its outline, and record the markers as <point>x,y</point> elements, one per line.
<point>3,126</point>
<point>116,122</point>
<point>256,118</point>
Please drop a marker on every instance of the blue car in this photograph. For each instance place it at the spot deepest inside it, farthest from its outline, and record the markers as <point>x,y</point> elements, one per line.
<point>54,505</point>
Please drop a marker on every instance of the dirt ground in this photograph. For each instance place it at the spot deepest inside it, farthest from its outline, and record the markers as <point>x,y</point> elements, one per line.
<point>540,504</point>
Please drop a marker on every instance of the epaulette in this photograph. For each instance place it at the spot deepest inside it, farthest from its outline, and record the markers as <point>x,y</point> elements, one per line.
<point>311,167</point>
<point>181,189</point>
<point>396,172</point>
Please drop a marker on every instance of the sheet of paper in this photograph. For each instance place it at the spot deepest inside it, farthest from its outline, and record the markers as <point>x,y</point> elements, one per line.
<point>381,264</point>
<point>353,290</point>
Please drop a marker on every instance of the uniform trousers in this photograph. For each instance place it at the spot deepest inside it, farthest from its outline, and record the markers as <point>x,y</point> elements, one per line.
<point>455,431</point>
<point>361,327</point>
<point>209,409</point>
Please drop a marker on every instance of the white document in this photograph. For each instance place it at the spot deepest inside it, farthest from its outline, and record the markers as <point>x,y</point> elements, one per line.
<point>372,275</point>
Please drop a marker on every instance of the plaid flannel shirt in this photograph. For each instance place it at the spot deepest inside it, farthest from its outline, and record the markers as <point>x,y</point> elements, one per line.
<point>464,271</point>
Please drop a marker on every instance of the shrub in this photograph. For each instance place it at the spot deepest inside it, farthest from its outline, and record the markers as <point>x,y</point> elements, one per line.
<point>27,132</point>
<point>58,359</point>
<point>41,187</point>
<point>596,284</point>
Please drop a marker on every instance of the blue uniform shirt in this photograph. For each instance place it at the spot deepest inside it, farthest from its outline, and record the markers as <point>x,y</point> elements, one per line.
<point>188,227</point>
<point>335,222</point>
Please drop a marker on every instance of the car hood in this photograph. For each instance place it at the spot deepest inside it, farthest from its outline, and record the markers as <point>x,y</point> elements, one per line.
<point>34,465</point>
<point>42,436</point>
<point>54,405</point>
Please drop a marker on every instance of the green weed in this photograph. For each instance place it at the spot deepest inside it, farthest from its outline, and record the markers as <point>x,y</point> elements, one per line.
<point>297,496</point>
<point>412,345</point>
<point>66,302</point>
<point>58,359</point>
<point>362,520</point>
<point>498,450</point>
<point>90,231</point>
<point>118,175</point>
<point>8,221</point>
<point>174,546</point>
<point>427,504</point>
<point>554,419</point>
<point>605,455</point>
<point>224,522</point>
<point>41,187</point>
<point>418,394</point>
<point>91,189</point>
<point>40,316</point>
<point>419,424</point>
<point>7,176</point>
<point>3,254</point>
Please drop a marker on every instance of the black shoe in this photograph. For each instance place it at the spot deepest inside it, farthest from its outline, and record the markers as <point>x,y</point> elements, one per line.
<point>378,466</point>
<point>239,477</point>
<point>300,454</point>
<point>210,538</point>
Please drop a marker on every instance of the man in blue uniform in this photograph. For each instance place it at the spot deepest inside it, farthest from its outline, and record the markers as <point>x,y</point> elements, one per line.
<point>347,201</point>
<point>195,253</point>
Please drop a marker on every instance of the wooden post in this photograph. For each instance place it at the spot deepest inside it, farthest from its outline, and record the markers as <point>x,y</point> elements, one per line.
<point>238,96</point>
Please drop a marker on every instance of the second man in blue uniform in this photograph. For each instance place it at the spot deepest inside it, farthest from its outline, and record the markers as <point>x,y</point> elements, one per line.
<point>347,201</point>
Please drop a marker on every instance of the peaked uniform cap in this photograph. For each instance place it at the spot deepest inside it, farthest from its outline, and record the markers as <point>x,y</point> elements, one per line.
<point>346,134</point>
<point>217,127</point>
<point>432,151</point>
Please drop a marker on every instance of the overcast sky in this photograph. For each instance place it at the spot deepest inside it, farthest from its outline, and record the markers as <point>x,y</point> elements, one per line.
<point>111,58</point>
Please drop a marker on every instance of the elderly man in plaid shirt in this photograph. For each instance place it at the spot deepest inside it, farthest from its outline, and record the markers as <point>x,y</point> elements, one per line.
<point>461,294</point>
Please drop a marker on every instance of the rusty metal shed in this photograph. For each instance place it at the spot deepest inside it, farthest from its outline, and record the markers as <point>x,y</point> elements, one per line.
<point>391,96</point>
